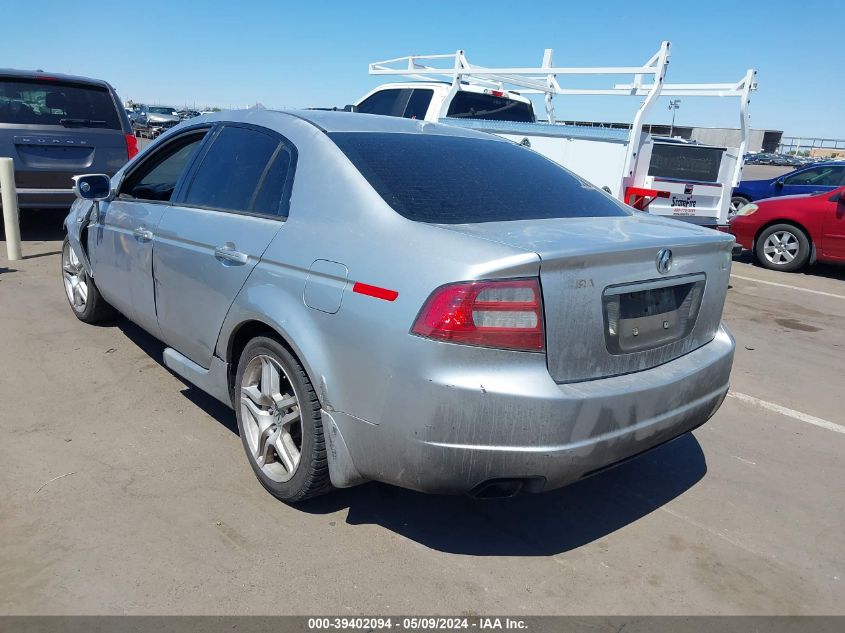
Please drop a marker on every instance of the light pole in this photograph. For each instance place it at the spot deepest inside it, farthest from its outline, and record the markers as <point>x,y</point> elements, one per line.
<point>674,104</point>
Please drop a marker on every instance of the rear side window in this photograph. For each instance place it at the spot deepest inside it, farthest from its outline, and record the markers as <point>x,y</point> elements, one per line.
<point>241,171</point>
<point>457,180</point>
<point>52,102</point>
<point>474,105</point>
<point>270,193</point>
<point>401,102</point>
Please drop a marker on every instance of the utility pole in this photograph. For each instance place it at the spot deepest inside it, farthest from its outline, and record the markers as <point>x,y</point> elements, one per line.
<point>674,104</point>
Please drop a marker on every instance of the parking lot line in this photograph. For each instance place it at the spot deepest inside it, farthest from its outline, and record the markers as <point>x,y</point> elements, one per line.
<point>797,415</point>
<point>774,283</point>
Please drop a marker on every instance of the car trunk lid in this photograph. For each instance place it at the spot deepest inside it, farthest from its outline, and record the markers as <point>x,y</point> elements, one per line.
<point>609,307</point>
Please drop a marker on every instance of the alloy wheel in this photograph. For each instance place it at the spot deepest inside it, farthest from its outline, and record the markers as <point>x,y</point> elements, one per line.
<point>781,247</point>
<point>75,279</point>
<point>271,418</point>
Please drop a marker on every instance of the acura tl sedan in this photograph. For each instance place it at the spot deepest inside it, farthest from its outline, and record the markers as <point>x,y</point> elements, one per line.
<point>395,300</point>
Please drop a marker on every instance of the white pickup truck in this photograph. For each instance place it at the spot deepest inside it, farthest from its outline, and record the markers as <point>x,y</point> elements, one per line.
<point>662,176</point>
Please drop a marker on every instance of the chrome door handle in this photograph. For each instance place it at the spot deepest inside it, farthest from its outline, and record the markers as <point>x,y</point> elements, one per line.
<point>143,234</point>
<point>227,254</point>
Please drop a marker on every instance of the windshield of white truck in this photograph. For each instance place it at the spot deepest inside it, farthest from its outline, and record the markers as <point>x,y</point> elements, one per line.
<point>476,105</point>
<point>445,179</point>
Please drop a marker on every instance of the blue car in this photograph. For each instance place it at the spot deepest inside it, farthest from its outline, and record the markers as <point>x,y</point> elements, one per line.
<point>809,179</point>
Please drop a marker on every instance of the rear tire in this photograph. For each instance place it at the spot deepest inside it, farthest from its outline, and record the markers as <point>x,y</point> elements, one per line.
<point>82,294</point>
<point>783,247</point>
<point>279,422</point>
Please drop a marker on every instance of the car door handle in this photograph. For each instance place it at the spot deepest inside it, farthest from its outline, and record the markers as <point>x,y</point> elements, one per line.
<point>142,234</point>
<point>227,254</point>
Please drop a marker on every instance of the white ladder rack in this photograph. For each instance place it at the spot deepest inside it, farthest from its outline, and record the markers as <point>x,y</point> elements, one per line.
<point>648,81</point>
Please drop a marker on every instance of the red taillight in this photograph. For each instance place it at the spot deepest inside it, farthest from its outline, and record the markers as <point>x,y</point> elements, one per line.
<point>507,314</point>
<point>131,145</point>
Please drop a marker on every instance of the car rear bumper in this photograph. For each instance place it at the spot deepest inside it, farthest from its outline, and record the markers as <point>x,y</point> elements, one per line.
<point>459,433</point>
<point>36,198</point>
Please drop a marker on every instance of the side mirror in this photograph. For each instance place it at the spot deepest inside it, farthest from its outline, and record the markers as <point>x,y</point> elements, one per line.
<point>92,187</point>
<point>779,182</point>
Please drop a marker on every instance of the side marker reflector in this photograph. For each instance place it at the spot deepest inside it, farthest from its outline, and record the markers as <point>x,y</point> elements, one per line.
<point>375,291</point>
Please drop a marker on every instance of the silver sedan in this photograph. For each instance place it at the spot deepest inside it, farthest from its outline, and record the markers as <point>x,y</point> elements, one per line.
<point>401,301</point>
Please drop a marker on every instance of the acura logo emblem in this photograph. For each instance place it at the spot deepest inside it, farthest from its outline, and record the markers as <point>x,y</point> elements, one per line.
<point>664,261</point>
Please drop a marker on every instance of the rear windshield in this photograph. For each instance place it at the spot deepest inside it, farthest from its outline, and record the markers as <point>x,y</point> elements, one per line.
<point>685,162</point>
<point>474,105</point>
<point>459,180</point>
<point>51,102</point>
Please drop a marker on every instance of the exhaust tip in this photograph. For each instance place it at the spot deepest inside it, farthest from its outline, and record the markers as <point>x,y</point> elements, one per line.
<point>497,489</point>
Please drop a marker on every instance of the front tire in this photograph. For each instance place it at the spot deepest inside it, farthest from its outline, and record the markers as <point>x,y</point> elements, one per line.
<point>783,247</point>
<point>279,422</point>
<point>737,202</point>
<point>82,294</point>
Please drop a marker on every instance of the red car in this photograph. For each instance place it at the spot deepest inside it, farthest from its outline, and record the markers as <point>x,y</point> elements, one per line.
<point>788,232</point>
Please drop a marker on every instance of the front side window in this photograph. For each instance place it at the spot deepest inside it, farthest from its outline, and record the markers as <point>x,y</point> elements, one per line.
<point>52,102</point>
<point>827,176</point>
<point>242,171</point>
<point>446,179</point>
<point>475,105</point>
<point>156,177</point>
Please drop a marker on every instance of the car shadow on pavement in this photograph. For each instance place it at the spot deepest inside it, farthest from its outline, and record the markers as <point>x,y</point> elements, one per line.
<point>529,525</point>
<point>821,269</point>
<point>154,348</point>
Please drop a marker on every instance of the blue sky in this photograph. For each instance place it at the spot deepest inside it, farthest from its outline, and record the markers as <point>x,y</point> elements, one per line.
<point>316,53</point>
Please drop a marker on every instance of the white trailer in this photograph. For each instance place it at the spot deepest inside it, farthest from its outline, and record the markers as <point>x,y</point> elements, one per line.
<point>662,176</point>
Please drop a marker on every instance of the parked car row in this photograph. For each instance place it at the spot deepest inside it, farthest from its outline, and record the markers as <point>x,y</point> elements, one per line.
<point>153,120</point>
<point>780,160</point>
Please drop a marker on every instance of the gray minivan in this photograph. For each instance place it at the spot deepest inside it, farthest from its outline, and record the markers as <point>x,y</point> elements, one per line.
<point>57,126</point>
